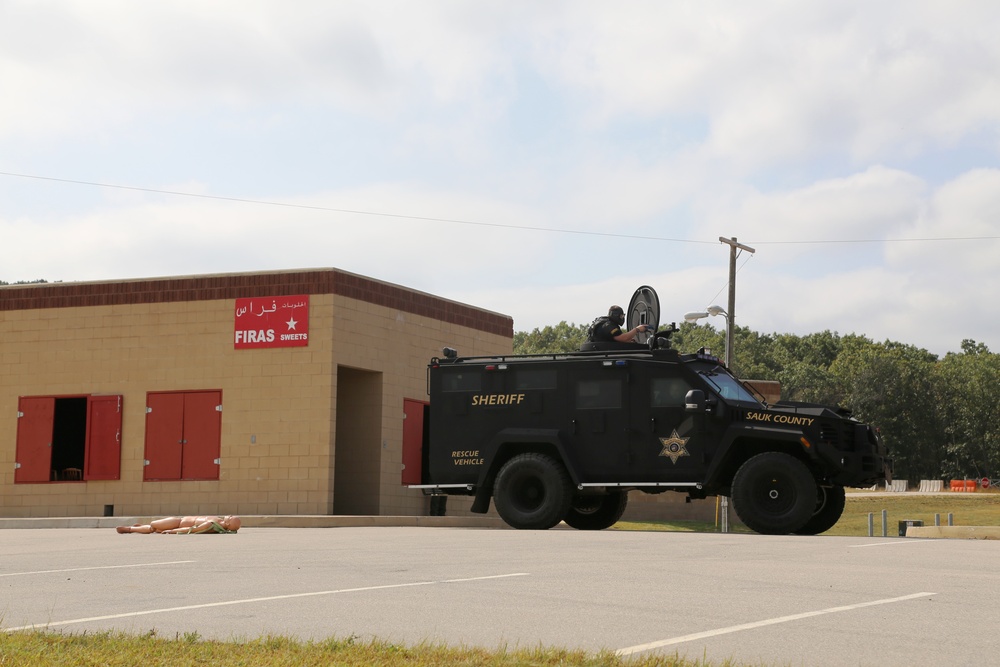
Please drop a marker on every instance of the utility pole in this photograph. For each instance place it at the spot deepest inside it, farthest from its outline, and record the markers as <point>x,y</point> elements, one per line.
<point>731,310</point>
<point>730,326</point>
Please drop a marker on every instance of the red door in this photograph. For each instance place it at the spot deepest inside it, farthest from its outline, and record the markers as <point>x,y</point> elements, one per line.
<point>164,436</point>
<point>413,440</point>
<point>35,419</point>
<point>104,438</point>
<point>183,435</point>
<point>202,435</point>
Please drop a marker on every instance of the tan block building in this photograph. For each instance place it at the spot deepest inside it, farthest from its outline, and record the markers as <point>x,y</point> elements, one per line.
<point>264,393</point>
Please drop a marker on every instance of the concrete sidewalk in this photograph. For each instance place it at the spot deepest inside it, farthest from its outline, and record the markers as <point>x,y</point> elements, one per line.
<point>324,521</point>
<point>268,521</point>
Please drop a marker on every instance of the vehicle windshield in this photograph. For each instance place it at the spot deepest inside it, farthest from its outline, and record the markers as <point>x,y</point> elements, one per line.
<point>728,387</point>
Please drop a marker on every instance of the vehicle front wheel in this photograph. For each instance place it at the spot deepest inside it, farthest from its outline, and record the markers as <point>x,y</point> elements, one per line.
<point>774,493</point>
<point>532,491</point>
<point>597,512</point>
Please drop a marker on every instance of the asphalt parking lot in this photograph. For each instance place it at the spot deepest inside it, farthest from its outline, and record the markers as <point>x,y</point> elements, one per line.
<point>781,600</point>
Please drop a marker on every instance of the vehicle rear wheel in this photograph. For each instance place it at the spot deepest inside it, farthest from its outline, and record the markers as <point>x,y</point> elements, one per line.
<point>532,491</point>
<point>774,493</point>
<point>829,507</point>
<point>597,512</point>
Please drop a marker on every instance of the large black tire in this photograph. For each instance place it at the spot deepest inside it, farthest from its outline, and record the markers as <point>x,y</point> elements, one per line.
<point>774,493</point>
<point>597,512</point>
<point>532,492</point>
<point>829,507</point>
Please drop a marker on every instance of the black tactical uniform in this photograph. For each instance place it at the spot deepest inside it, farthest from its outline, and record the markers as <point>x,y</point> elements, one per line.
<point>605,328</point>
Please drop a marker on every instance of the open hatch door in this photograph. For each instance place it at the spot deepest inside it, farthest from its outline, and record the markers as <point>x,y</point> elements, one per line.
<point>644,308</point>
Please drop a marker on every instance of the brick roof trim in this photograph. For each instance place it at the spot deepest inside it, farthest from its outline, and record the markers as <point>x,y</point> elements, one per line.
<point>245,285</point>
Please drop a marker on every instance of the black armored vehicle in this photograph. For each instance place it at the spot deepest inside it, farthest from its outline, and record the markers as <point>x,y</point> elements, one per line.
<point>565,437</point>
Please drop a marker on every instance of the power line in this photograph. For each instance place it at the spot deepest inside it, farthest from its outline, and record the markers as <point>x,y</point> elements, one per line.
<point>554,230</point>
<point>917,240</point>
<point>352,211</point>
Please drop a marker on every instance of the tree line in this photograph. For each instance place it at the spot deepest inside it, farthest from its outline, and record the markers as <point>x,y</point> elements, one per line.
<point>940,417</point>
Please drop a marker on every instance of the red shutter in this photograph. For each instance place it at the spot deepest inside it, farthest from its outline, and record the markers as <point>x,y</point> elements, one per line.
<point>34,438</point>
<point>104,438</point>
<point>202,435</point>
<point>413,441</point>
<point>164,433</point>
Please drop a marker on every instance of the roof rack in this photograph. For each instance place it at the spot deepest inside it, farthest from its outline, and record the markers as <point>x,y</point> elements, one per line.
<point>643,352</point>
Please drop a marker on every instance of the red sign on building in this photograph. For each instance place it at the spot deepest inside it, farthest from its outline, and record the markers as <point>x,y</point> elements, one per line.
<point>281,321</point>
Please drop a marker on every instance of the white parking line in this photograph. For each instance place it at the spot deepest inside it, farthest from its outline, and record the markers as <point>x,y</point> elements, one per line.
<point>759,624</point>
<point>888,544</point>
<point>100,567</point>
<point>292,596</point>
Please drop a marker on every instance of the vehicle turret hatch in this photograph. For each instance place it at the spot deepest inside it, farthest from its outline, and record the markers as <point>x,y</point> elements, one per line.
<point>644,308</point>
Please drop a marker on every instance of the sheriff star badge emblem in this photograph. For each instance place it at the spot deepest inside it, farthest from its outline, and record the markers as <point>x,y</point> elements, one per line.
<point>674,446</point>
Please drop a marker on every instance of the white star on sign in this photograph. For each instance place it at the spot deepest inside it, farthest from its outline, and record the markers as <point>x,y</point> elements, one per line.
<point>291,323</point>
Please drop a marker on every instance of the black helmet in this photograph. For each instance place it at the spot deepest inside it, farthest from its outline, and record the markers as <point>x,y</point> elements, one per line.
<point>616,315</point>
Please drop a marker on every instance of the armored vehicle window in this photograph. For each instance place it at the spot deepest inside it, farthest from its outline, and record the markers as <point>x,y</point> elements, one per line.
<point>591,394</point>
<point>729,388</point>
<point>535,379</point>
<point>468,381</point>
<point>668,392</point>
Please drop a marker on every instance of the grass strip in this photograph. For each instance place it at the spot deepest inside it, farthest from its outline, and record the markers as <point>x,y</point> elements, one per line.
<point>115,649</point>
<point>967,509</point>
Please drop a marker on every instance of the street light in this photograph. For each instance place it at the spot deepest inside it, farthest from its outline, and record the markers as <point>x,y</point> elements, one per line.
<point>712,311</point>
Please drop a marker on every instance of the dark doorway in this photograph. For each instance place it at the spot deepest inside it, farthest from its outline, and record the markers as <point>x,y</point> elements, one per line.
<point>358,442</point>
<point>69,437</point>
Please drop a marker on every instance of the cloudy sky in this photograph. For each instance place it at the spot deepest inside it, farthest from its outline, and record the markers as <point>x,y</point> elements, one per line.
<point>539,159</point>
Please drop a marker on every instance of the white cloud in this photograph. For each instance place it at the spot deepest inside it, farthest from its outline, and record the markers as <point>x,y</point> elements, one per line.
<point>869,205</point>
<point>895,76</point>
<point>75,66</point>
<point>606,192</point>
<point>968,206</point>
<point>130,237</point>
<point>786,81</point>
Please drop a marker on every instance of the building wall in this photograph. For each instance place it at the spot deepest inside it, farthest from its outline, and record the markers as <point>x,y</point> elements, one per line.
<point>399,345</point>
<point>279,406</point>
